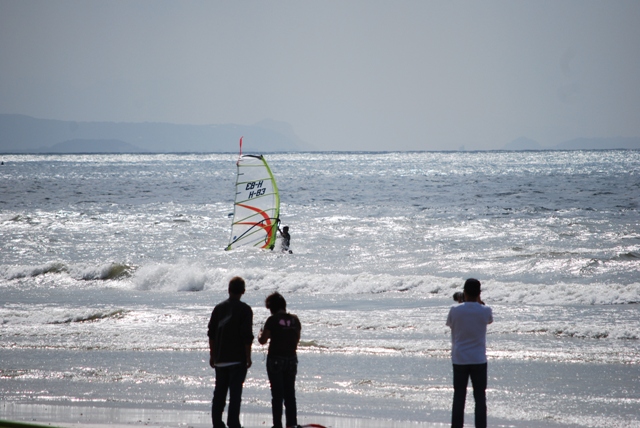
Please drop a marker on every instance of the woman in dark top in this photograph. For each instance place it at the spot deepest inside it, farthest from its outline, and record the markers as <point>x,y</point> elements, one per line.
<point>282,330</point>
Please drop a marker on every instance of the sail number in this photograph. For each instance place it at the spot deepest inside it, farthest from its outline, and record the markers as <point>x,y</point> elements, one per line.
<point>256,189</point>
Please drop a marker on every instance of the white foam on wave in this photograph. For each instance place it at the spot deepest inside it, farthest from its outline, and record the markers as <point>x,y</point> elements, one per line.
<point>169,277</point>
<point>433,286</point>
<point>362,283</point>
<point>561,293</point>
<point>190,276</point>
<point>193,277</point>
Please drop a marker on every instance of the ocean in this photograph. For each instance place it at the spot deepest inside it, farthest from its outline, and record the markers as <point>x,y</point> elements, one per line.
<point>110,266</point>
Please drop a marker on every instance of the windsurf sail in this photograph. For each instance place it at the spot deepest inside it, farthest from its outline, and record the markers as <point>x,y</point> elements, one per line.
<point>256,210</point>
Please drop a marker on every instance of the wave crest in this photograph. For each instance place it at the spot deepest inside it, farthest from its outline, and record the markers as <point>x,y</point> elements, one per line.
<point>17,272</point>
<point>112,271</point>
<point>90,316</point>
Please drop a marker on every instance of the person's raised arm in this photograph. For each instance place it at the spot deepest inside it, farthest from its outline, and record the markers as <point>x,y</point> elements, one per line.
<point>264,336</point>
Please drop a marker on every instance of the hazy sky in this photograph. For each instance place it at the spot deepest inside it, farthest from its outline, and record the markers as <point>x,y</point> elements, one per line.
<point>347,75</point>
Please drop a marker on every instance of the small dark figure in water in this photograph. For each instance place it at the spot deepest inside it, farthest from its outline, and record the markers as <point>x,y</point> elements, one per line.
<point>286,239</point>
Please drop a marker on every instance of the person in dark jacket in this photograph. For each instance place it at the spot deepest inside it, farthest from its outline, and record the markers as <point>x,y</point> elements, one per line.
<point>230,338</point>
<point>283,331</point>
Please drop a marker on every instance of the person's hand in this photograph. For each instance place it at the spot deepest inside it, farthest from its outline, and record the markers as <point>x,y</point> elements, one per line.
<point>212,363</point>
<point>249,362</point>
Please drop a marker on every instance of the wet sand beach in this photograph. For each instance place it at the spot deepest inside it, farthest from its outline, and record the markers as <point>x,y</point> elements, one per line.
<point>91,416</point>
<point>102,417</point>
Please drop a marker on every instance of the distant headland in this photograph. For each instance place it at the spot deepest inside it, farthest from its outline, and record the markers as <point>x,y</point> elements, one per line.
<point>25,134</point>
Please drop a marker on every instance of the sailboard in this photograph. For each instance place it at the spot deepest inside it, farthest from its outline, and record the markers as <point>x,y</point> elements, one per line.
<point>256,209</point>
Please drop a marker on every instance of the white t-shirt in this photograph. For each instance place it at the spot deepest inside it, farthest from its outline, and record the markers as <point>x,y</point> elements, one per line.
<point>468,322</point>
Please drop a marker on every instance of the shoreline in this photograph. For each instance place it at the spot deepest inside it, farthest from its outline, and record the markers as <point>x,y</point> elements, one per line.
<point>75,416</point>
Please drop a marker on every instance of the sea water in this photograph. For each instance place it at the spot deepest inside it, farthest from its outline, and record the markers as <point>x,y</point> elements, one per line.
<point>110,266</point>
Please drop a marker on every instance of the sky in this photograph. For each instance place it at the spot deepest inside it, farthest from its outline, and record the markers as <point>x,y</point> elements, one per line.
<point>345,74</point>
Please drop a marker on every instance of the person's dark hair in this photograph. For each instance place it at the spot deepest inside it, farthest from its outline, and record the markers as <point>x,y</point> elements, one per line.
<point>275,302</point>
<point>286,228</point>
<point>236,285</point>
<point>472,287</point>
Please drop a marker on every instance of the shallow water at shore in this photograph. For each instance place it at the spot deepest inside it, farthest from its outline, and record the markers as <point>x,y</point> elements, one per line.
<point>409,390</point>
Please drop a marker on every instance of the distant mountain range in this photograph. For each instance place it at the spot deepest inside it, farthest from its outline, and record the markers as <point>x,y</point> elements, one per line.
<point>24,134</point>
<point>523,143</point>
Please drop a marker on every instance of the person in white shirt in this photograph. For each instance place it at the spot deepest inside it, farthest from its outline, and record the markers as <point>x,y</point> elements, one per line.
<point>468,322</point>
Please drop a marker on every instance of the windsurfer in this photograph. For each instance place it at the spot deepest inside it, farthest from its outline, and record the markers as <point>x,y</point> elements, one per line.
<point>286,239</point>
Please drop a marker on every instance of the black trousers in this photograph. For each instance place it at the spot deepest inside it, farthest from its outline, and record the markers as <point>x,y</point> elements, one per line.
<point>282,377</point>
<point>461,375</point>
<point>228,379</point>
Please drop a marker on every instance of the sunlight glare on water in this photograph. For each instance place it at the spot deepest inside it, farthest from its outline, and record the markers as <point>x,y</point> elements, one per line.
<point>110,267</point>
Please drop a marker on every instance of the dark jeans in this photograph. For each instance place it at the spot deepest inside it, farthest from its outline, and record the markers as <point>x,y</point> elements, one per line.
<point>282,377</point>
<point>461,375</point>
<point>229,379</point>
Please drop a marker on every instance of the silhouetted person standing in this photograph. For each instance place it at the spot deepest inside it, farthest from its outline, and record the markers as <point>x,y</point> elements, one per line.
<point>468,322</point>
<point>282,330</point>
<point>230,338</point>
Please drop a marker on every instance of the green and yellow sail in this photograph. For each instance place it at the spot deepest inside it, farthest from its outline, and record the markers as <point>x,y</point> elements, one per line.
<point>257,205</point>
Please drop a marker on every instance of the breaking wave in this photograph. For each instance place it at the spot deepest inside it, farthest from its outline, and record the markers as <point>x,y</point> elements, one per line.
<point>193,277</point>
<point>17,272</point>
<point>109,271</point>
<point>169,278</point>
<point>90,316</point>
